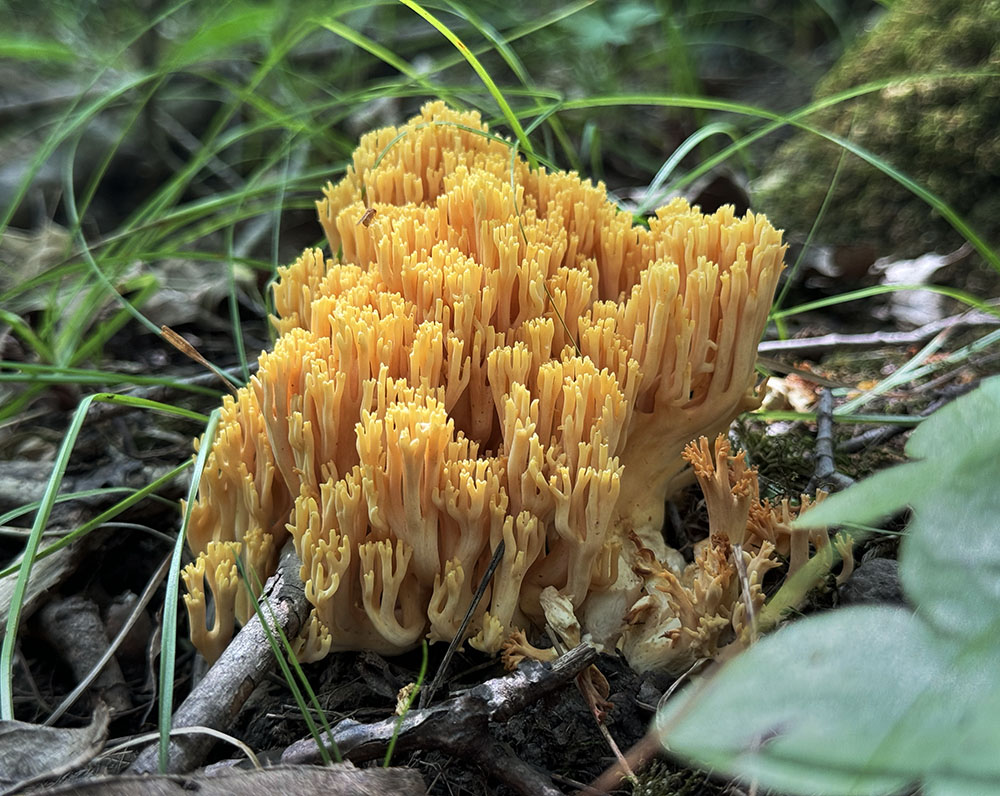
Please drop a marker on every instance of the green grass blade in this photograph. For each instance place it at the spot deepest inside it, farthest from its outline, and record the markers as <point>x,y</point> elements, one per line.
<point>27,335</point>
<point>36,373</point>
<point>654,195</point>
<point>503,48</point>
<point>27,508</point>
<point>233,301</point>
<point>31,547</point>
<point>920,364</point>
<point>879,290</point>
<point>480,70</point>
<point>794,270</point>
<point>145,403</point>
<point>12,407</point>
<point>960,355</point>
<point>138,109</point>
<point>24,48</point>
<point>173,189</point>
<point>284,654</point>
<point>46,503</point>
<point>168,642</point>
<point>899,376</point>
<point>406,708</point>
<point>929,198</point>
<point>102,518</point>
<point>146,285</point>
<point>381,52</point>
<point>795,119</point>
<point>774,415</point>
<point>74,120</point>
<point>69,201</point>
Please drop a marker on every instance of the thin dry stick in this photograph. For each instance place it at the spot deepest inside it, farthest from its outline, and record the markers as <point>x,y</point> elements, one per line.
<point>152,736</point>
<point>636,757</point>
<point>218,698</point>
<point>585,684</point>
<point>826,469</point>
<point>461,725</point>
<point>827,342</point>
<point>648,745</point>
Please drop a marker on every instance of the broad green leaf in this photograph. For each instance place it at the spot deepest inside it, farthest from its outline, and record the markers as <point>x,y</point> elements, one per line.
<point>870,700</point>
<point>950,559</point>
<point>858,701</point>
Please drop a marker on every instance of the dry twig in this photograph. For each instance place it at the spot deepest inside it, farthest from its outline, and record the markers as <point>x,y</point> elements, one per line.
<point>825,473</point>
<point>460,725</point>
<point>814,345</point>
<point>217,699</point>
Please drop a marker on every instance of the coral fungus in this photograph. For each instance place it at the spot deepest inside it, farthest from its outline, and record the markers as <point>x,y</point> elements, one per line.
<point>494,352</point>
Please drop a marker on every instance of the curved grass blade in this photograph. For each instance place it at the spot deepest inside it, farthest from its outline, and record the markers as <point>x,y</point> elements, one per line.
<point>285,655</point>
<point>73,120</point>
<point>38,526</point>
<point>35,373</point>
<point>794,270</point>
<point>102,518</point>
<point>406,708</point>
<point>503,48</point>
<point>69,200</point>
<point>168,636</point>
<point>795,120</point>
<point>477,66</point>
<point>30,548</point>
<point>654,194</point>
<point>878,290</point>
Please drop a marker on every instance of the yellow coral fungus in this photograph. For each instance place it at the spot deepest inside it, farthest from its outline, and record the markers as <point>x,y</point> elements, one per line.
<point>713,602</point>
<point>495,353</point>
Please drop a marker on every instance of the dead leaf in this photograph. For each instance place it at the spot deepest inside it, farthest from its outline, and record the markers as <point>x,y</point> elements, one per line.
<point>30,752</point>
<point>790,392</point>
<point>339,780</point>
<point>916,307</point>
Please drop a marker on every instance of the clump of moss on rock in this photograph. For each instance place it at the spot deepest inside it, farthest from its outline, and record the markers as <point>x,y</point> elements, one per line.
<point>942,132</point>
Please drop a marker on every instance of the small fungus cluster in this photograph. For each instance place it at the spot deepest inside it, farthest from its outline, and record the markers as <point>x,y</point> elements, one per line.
<point>494,352</point>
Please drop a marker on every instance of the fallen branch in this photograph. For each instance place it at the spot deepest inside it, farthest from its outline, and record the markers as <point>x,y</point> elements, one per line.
<point>334,781</point>
<point>72,626</point>
<point>814,345</point>
<point>217,700</point>
<point>460,726</point>
<point>825,473</point>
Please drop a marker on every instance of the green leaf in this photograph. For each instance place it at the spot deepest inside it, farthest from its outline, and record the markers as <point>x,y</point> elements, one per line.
<point>870,700</point>
<point>859,701</point>
<point>950,559</point>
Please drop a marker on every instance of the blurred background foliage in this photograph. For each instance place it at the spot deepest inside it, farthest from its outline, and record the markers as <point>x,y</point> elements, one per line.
<point>172,79</point>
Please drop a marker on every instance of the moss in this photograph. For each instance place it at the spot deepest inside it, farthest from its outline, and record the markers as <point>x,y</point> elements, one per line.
<point>664,779</point>
<point>942,132</point>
